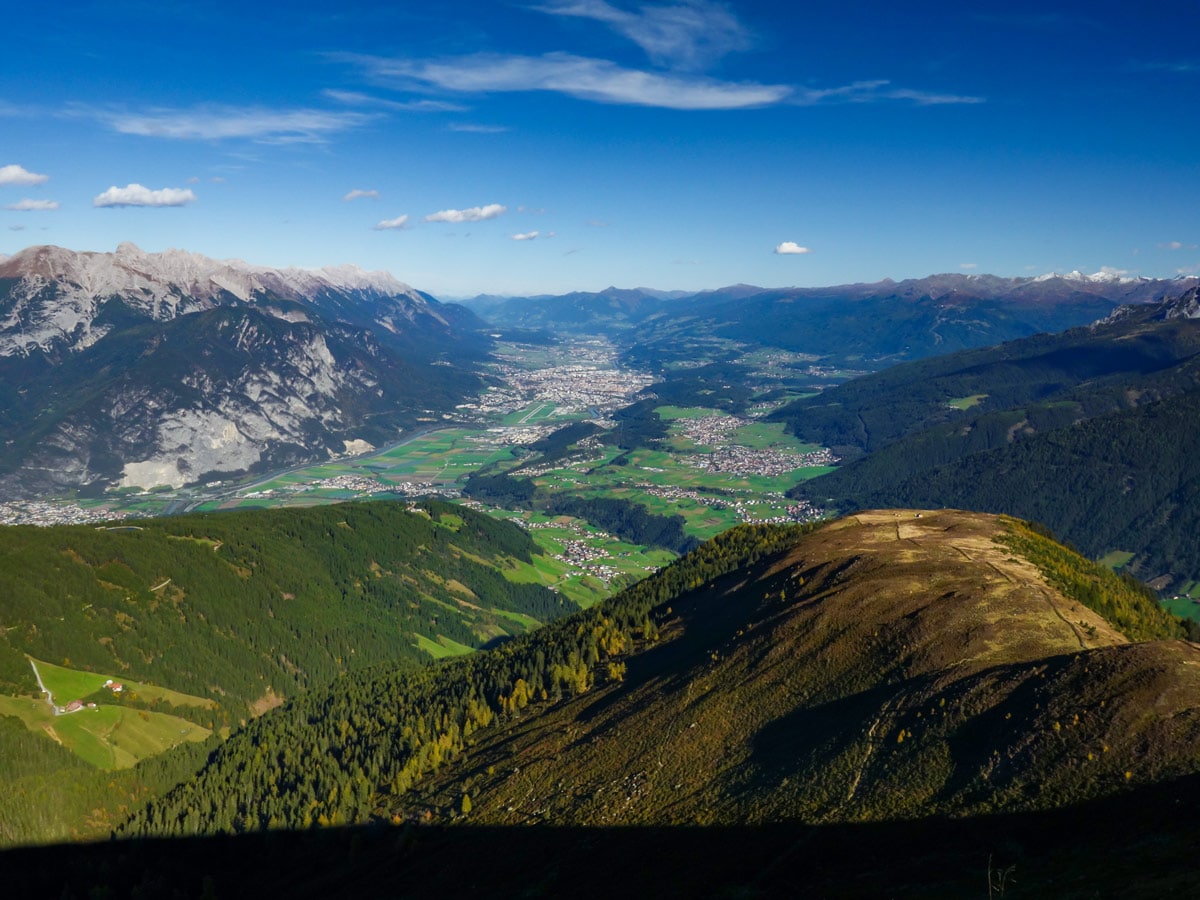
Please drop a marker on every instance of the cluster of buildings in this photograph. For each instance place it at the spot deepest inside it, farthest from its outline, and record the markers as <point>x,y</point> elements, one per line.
<point>42,512</point>
<point>580,553</point>
<point>589,382</point>
<point>736,460</point>
<point>710,431</point>
<point>360,485</point>
<point>797,511</point>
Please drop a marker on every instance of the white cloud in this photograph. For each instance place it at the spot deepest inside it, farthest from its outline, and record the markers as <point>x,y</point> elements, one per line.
<point>578,76</point>
<point>874,92</point>
<point>354,98</point>
<point>1172,245</point>
<point>968,265</point>
<point>357,193</point>
<point>137,195</point>
<point>1113,271</point>
<point>690,34</point>
<point>788,248</point>
<point>18,175</point>
<point>527,236</point>
<point>392,224</point>
<point>474,214</point>
<point>214,123</point>
<point>477,129</point>
<point>31,205</point>
<point>603,81</point>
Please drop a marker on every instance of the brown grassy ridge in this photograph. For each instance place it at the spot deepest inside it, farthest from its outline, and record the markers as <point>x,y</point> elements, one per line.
<point>895,664</point>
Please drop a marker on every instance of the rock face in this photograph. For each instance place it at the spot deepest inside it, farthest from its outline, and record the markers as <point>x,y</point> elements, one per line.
<point>144,369</point>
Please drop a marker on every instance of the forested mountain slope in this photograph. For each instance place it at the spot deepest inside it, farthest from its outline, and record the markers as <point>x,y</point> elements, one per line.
<point>236,606</point>
<point>1088,431</point>
<point>888,665</point>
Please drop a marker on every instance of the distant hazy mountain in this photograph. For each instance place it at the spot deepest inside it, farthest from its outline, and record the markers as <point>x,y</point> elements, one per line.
<point>1091,431</point>
<point>581,310</point>
<point>142,369</point>
<point>864,324</point>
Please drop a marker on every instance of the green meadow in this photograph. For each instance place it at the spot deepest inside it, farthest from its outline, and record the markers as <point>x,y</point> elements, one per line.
<point>966,402</point>
<point>67,684</point>
<point>106,736</point>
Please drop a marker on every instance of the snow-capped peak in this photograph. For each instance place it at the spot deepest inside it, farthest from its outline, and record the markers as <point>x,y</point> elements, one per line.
<point>1106,275</point>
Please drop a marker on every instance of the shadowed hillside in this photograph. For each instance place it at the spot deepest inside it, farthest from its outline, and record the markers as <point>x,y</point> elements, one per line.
<point>894,664</point>
<point>889,665</point>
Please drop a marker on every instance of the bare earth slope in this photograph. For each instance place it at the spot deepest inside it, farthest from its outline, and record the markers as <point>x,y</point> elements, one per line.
<point>894,664</point>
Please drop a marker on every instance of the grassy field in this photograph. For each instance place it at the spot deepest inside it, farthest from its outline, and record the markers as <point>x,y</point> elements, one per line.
<point>67,684</point>
<point>107,737</point>
<point>770,435</point>
<point>1184,606</point>
<point>442,647</point>
<point>967,402</point>
<point>1116,559</point>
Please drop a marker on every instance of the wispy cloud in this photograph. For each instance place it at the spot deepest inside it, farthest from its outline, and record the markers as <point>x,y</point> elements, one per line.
<point>137,195</point>
<point>474,214</point>
<point>968,265</point>
<point>358,194</point>
<point>1171,245</point>
<point>215,123</point>
<point>32,205</point>
<point>603,81</point>
<point>14,174</point>
<point>1176,67</point>
<point>577,76</point>
<point>468,128</point>
<point>690,34</point>
<point>790,248</point>
<point>527,236</point>
<point>355,98</point>
<point>395,224</point>
<point>876,91</point>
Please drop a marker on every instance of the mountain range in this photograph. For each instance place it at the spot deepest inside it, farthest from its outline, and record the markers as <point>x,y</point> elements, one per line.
<point>140,369</point>
<point>133,369</point>
<point>908,700</point>
<point>1088,431</point>
<point>863,325</point>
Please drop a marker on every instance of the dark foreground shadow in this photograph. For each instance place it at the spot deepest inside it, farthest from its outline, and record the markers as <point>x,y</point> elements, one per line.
<point>1144,844</point>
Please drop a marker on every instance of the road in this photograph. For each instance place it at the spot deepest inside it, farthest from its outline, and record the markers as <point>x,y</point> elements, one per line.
<point>38,676</point>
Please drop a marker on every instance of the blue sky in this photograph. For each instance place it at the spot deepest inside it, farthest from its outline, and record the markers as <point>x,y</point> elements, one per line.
<point>555,145</point>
